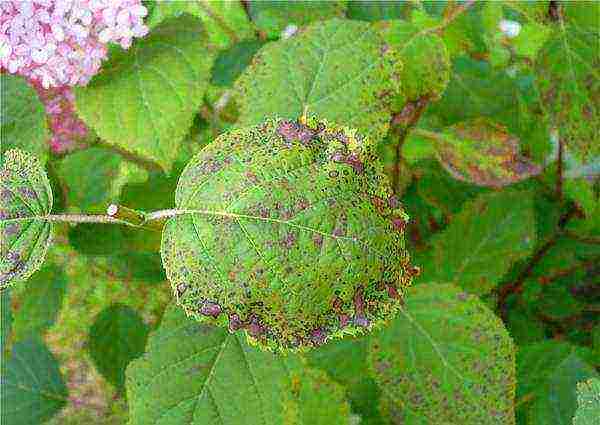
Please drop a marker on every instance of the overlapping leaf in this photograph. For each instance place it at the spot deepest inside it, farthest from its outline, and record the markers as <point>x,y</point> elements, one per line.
<point>338,70</point>
<point>22,118</point>
<point>25,201</point>
<point>483,240</point>
<point>377,10</point>
<point>200,374</point>
<point>145,99</point>
<point>117,337</point>
<point>446,359</point>
<point>33,389</point>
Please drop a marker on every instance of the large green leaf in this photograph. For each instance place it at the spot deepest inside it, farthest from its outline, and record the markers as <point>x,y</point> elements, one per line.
<point>274,16</point>
<point>445,359</point>
<point>225,21</point>
<point>22,118</point>
<point>33,389</point>
<point>483,240</point>
<point>6,318</point>
<point>290,231</point>
<point>25,201</point>
<point>198,374</point>
<point>93,178</point>
<point>377,10</point>
<point>482,152</point>
<point>117,336</point>
<point>569,79</point>
<point>588,400</point>
<point>338,70</point>
<point>40,303</point>
<point>145,99</point>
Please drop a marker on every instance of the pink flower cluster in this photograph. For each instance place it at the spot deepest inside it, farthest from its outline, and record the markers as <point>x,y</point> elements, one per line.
<point>63,42</point>
<point>67,129</point>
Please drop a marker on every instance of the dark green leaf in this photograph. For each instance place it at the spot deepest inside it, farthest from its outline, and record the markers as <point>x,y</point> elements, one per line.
<point>445,359</point>
<point>377,10</point>
<point>199,374</point>
<point>117,337</point>
<point>33,389</point>
<point>145,99</point>
<point>40,303</point>
<point>230,63</point>
<point>338,70</point>
<point>22,118</point>
<point>483,241</point>
<point>25,201</point>
<point>6,318</point>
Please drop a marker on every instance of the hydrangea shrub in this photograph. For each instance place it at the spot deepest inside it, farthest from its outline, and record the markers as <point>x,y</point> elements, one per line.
<point>253,212</point>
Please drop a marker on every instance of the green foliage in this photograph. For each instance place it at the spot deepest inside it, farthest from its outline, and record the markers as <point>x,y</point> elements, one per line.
<point>445,359</point>
<point>230,63</point>
<point>93,178</point>
<point>310,72</point>
<point>117,337</point>
<point>588,401</point>
<point>273,17</point>
<point>40,302</point>
<point>484,239</point>
<point>201,374</point>
<point>272,228</point>
<point>26,198</point>
<point>6,320</point>
<point>144,101</point>
<point>33,389</point>
<point>22,118</point>
<point>376,10</point>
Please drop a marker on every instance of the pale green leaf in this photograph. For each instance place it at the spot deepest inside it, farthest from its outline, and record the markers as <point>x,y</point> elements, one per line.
<point>531,38</point>
<point>338,70</point>
<point>145,99</point>
<point>274,16</point>
<point>199,374</point>
<point>25,200</point>
<point>40,303</point>
<point>117,336</point>
<point>22,118</point>
<point>33,389</point>
<point>6,318</point>
<point>588,401</point>
<point>226,21</point>
<point>291,229</point>
<point>482,152</point>
<point>484,240</point>
<point>568,78</point>
<point>445,359</point>
<point>93,178</point>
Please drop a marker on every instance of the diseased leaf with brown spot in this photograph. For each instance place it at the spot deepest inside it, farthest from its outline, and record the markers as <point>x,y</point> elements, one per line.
<point>484,153</point>
<point>446,359</point>
<point>290,231</point>
<point>25,201</point>
<point>198,374</point>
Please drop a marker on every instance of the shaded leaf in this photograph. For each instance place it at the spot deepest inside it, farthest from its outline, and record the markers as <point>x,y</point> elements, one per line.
<point>127,103</point>
<point>25,201</point>
<point>117,337</point>
<point>33,389</point>
<point>225,21</point>
<point>297,206</point>
<point>446,359</point>
<point>311,71</point>
<point>200,374</point>
<point>588,401</point>
<point>568,78</point>
<point>484,153</point>
<point>556,401</point>
<point>22,118</point>
<point>345,361</point>
<point>483,240</point>
<point>230,63</point>
<point>93,178</point>
<point>40,303</point>
<point>273,16</point>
